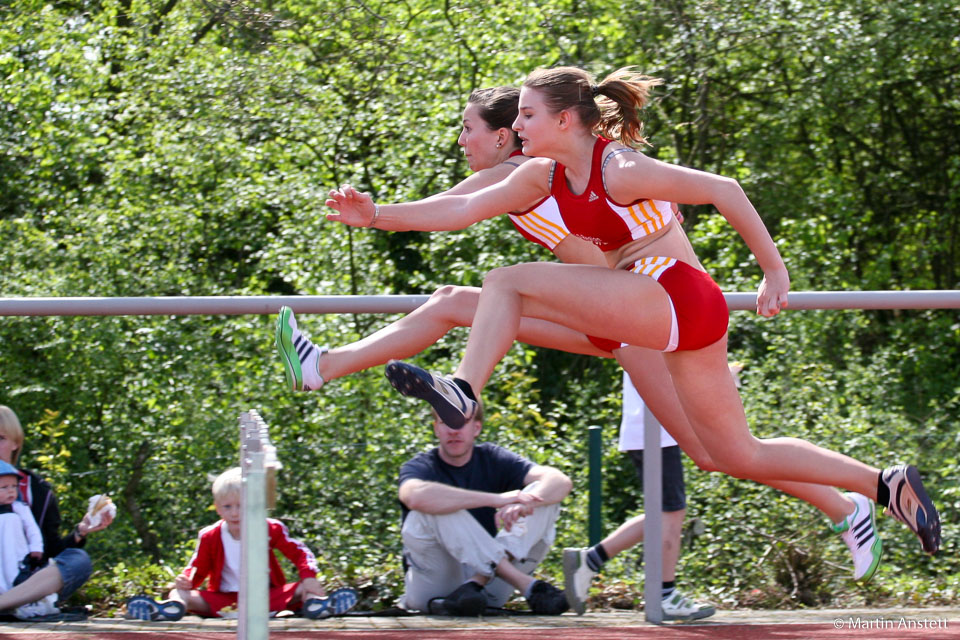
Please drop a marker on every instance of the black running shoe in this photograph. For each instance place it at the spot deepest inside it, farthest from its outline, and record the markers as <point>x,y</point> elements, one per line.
<point>447,399</point>
<point>910,505</point>
<point>469,599</point>
<point>546,600</point>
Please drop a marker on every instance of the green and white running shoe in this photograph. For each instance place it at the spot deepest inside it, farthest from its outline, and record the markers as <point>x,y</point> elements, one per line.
<point>299,356</point>
<point>679,607</point>
<point>859,532</point>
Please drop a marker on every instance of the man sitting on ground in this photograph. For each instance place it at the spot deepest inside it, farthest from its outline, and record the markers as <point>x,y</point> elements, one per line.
<point>453,499</point>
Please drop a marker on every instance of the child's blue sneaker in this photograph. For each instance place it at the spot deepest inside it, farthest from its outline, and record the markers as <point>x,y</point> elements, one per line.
<point>336,603</point>
<point>146,608</point>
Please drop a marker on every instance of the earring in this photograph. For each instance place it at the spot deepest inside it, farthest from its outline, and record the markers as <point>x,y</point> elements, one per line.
<point>499,144</point>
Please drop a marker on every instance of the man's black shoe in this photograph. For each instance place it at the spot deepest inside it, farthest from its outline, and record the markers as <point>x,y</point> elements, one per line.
<point>468,599</point>
<point>546,600</point>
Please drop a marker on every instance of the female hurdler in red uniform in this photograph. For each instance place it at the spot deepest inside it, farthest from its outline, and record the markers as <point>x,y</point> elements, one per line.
<point>653,292</point>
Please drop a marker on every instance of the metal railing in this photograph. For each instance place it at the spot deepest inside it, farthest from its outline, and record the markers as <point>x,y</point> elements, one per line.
<point>263,305</point>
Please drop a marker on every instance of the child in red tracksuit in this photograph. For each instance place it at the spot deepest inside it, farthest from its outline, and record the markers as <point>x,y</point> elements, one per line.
<point>216,561</point>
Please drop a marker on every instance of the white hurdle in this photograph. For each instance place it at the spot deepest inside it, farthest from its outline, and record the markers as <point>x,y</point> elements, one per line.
<point>258,464</point>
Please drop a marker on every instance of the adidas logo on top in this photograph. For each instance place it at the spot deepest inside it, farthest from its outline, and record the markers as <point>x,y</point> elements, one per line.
<point>593,197</point>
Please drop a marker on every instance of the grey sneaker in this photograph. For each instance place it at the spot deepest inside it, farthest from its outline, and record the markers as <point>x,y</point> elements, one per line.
<point>298,355</point>
<point>577,576</point>
<point>910,504</point>
<point>859,532</point>
<point>451,404</point>
<point>546,600</point>
<point>679,607</point>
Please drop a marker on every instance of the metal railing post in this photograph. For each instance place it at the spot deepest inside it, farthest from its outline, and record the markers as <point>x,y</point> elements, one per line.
<point>595,481</point>
<point>254,597</point>
<point>653,518</point>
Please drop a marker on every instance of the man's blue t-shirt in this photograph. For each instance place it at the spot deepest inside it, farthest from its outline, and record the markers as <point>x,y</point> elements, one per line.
<point>491,468</point>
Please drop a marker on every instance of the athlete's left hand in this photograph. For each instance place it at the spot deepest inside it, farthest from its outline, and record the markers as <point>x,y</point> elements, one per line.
<point>772,295</point>
<point>353,208</point>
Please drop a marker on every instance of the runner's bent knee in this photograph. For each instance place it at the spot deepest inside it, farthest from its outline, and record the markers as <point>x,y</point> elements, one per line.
<point>501,278</point>
<point>739,460</point>
<point>453,304</point>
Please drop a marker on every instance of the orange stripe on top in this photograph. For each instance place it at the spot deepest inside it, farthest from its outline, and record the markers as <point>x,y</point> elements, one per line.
<point>546,227</point>
<point>657,225</point>
<point>663,221</point>
<point>640,223</point>
<point>527,225</point>
<point>633,214</point>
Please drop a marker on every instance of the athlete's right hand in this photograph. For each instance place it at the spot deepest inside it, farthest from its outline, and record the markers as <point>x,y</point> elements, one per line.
<point>772,294</point>
<point>353,208</point>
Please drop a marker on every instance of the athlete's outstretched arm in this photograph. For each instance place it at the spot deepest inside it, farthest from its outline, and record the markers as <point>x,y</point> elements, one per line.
<point>632,176</point>
<point>524,187</point>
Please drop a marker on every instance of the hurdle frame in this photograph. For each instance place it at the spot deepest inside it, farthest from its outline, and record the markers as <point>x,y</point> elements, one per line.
<point>258,462</point>
<point>268,305</point>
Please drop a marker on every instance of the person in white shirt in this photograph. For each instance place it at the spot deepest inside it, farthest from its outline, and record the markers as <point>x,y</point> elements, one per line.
<point>582,564</point>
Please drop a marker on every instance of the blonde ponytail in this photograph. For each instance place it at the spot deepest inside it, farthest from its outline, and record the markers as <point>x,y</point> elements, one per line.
<point>624,93</point>
<point>610,108</point>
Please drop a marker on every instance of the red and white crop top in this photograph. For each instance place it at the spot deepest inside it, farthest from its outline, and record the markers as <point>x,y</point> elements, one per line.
<point>594,217</point>
<point>542,224</point>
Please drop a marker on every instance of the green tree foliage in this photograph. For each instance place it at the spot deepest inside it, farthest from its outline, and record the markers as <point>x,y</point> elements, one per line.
<point>185,148</point>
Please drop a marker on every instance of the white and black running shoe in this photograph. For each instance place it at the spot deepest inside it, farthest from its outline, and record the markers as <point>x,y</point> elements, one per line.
<point>145,608</point>
<point>447,399</point>
<point>910,504</point>
<point>577,576</point>
<point>334,604</point>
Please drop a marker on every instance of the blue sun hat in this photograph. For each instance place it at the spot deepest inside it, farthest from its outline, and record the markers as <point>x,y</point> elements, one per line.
<point>7,469</point>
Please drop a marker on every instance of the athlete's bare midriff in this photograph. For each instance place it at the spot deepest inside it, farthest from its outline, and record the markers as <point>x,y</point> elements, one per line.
<point>669,242</point>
